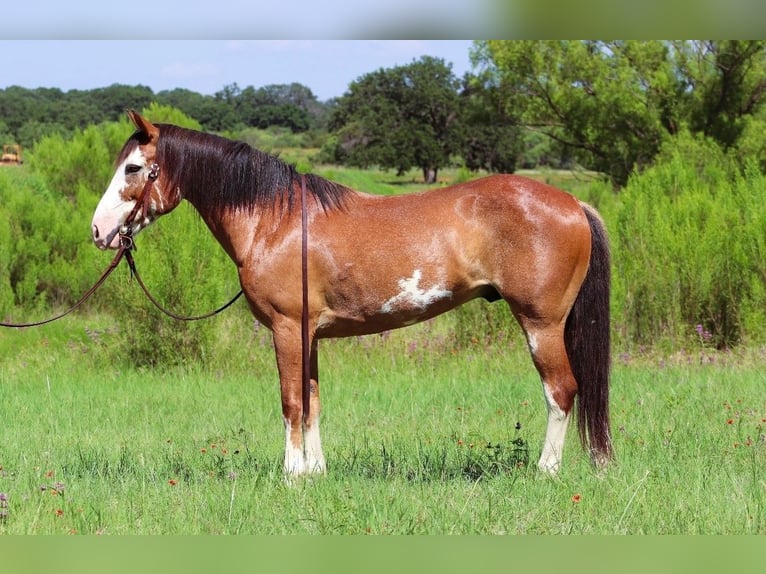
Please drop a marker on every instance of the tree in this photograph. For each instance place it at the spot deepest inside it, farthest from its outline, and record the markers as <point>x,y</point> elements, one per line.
<point>400,118</point>
<point>491,137</point>
<point>727,85</point>
<point>271,106</point>
<point>613,103</point>
<point>213,114</point>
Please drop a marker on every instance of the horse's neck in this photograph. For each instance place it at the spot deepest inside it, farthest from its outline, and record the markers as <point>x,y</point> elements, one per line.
<point>235,230</point>
<point>239,229</point>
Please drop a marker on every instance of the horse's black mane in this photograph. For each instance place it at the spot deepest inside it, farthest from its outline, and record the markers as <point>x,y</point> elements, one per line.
<point>215,172</point>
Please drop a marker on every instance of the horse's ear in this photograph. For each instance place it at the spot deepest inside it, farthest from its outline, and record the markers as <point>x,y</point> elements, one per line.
<point>143,125</point>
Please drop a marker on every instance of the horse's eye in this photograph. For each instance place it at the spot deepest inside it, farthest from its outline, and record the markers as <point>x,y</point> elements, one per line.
<point>132,168</point>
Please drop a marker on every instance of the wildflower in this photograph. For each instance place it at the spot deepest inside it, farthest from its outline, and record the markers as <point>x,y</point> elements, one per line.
<point>59,486</point>
<point>172,482</point>
<point>730,422</point>
<point>59,512</point>
<point>203,450</point>
<point>703,333</point>
<point>576,498</point>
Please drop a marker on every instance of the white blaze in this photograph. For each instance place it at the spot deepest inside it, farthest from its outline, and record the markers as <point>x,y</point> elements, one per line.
<point>112,210</point>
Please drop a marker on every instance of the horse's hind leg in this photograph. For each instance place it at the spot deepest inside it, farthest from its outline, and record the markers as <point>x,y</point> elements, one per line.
<point>559,387</point>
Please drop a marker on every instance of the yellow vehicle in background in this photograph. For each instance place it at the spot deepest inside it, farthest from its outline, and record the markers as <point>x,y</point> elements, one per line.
<point>11,155</point>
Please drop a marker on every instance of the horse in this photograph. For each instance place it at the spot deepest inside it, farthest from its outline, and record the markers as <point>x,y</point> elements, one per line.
<point>373,263</point>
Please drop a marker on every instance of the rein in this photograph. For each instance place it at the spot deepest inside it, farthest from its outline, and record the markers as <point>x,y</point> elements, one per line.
<point>126,245</point>
<point>108,271</point>
<point>134,273</point>
<point>305,350</point>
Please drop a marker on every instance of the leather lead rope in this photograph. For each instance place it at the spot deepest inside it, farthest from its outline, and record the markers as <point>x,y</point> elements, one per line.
<point>141,208</point>
<point>305,346</point>
<point>126,244</point>
<point>108,271</point>
<point>156,303</point>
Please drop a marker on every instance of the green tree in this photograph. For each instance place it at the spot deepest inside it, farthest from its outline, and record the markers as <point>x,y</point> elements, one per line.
<point>491,137</point>
<point>401,117</point>
<point>212,113</point>
<point>726,83</point>
<point>614,103</point>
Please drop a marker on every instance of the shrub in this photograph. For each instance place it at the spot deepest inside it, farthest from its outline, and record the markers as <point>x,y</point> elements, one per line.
<point>691,248</point>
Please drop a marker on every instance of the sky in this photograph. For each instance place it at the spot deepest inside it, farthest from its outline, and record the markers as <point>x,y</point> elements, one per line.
<point>327,67</point>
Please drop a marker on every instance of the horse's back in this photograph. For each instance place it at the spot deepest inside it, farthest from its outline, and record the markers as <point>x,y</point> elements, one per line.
<point>387,261</point>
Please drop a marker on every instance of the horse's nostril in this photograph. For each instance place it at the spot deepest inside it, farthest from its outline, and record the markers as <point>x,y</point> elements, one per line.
<point>96,234</point>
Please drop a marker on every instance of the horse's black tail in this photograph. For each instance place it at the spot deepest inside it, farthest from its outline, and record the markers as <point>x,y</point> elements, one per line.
<point>587,341</point>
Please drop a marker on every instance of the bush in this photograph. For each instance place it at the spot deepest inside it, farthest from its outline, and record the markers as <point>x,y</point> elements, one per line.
<point>691,235</point>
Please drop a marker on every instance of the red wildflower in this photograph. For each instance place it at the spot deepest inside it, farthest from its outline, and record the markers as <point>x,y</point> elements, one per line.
<point>730,422</point>
<point>59,512</point>
<point>172,482</point>
<point>576,498</point>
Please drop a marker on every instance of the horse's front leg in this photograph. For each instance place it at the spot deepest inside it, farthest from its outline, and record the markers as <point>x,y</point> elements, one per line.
<point>303,445</point>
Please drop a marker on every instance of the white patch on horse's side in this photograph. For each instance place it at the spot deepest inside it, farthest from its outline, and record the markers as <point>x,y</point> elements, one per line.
<point>295,462</point>
<point>412,297</point>
<point>555,433</point>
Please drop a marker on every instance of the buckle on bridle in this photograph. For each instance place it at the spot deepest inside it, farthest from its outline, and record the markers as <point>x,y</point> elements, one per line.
<point>126,240</point>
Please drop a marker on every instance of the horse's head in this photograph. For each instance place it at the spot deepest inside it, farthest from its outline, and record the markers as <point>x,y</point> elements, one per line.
<point>134,170</point>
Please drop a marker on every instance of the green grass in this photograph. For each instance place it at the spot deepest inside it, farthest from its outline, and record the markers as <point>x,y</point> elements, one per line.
<point>420,438</point>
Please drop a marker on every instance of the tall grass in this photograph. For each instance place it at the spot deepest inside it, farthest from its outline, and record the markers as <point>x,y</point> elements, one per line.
<point>691,235</point>
<point>419,439</point>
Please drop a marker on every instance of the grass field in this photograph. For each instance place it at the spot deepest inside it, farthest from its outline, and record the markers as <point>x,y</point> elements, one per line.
<point>419,428</point>
<point>420,438</point>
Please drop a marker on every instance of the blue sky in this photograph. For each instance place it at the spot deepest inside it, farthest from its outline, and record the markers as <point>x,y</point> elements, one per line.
<point>254,19</point>
<point>206,66</point>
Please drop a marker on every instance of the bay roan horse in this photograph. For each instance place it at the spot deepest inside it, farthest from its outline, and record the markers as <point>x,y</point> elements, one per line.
<point>376,263</point>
